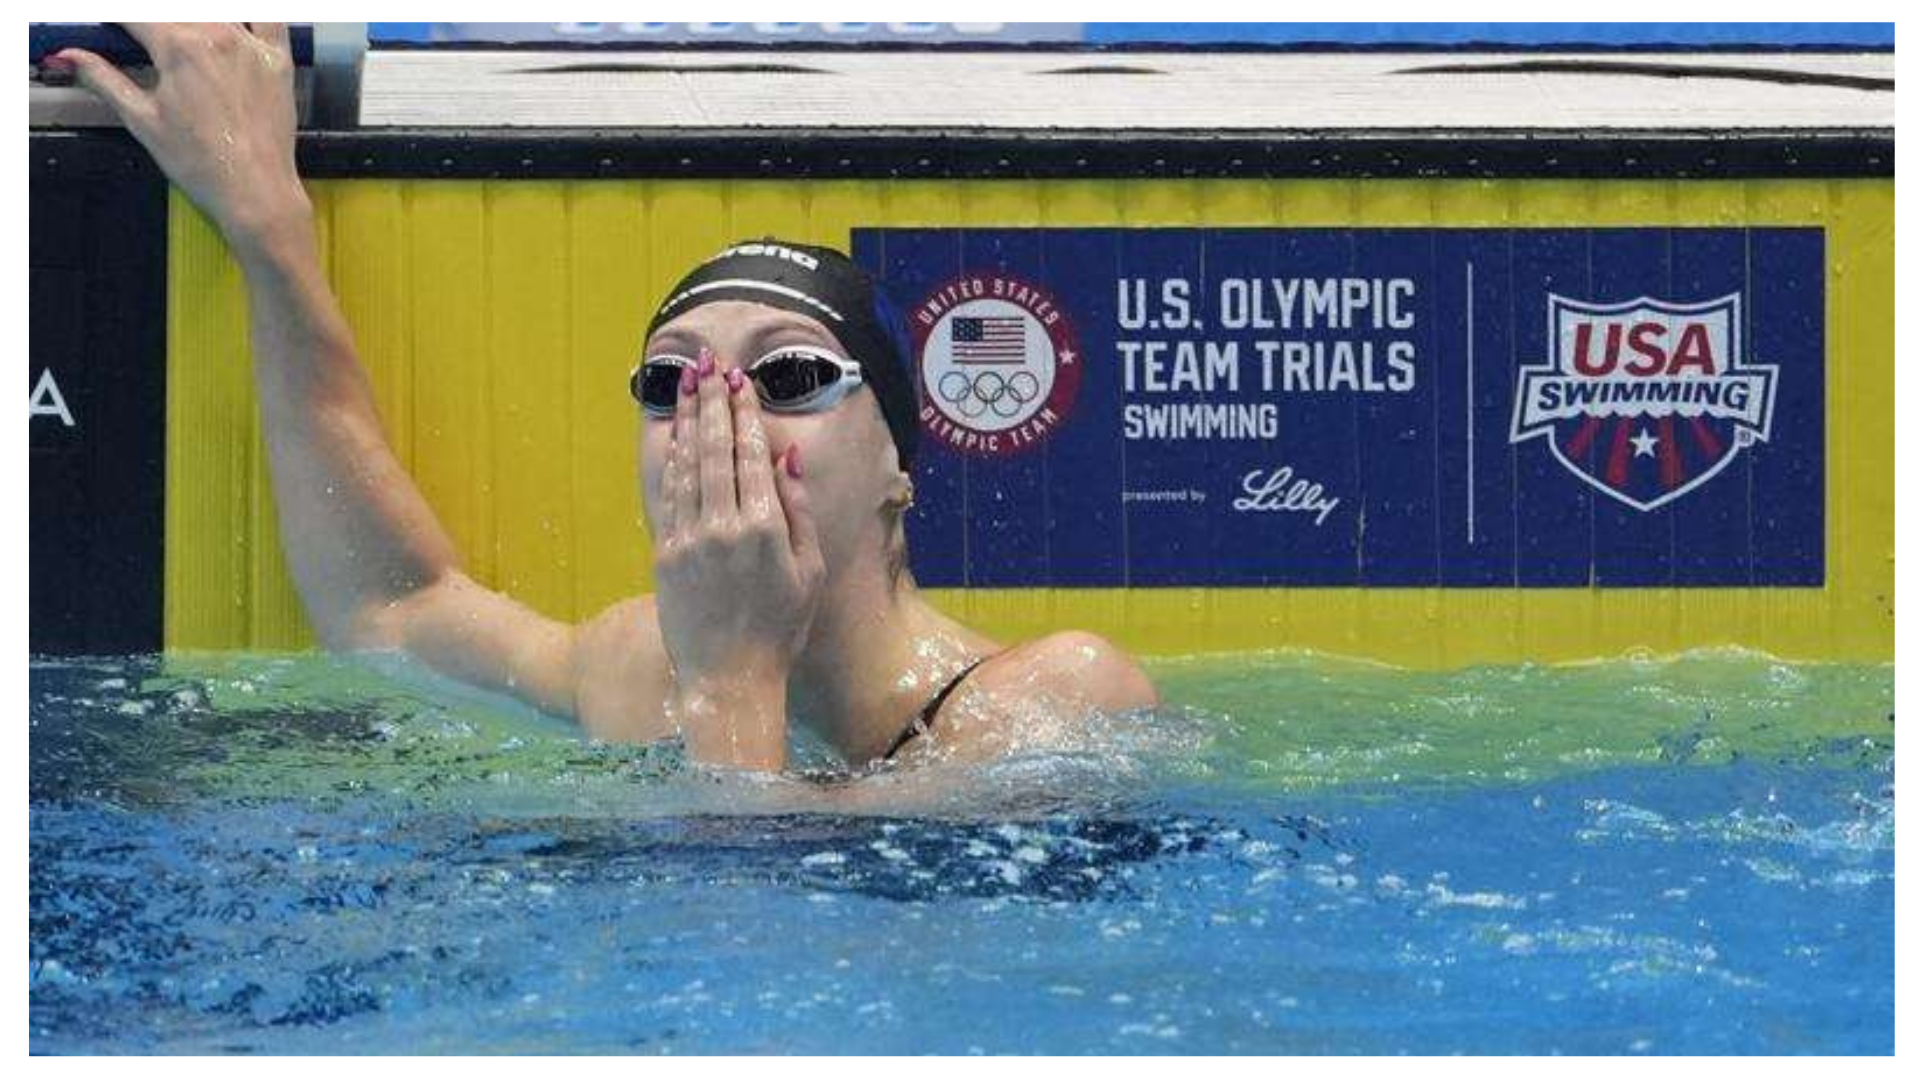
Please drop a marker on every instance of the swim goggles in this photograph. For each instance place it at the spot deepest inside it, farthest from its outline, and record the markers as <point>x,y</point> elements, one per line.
<point>790,379</point>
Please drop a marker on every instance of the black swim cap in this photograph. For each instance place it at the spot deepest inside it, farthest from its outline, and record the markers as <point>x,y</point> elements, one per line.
<point>826,285</point>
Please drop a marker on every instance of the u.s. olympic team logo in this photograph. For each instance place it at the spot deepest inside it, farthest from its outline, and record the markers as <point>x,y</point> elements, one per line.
<point>999,364</point>
<point>1645,400</point>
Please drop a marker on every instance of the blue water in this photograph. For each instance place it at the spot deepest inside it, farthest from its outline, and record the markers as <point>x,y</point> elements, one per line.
<point>272,855</point>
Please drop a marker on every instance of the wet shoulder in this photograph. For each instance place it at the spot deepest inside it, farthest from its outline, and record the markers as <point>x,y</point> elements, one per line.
<point>1036,695</point>
<point>621,673</point>
<point>1071,666</point>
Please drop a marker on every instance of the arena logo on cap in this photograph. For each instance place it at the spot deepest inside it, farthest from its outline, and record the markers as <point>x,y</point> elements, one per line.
<point>1645,400</point>
<point>771,251</point>
<point>999,364</point>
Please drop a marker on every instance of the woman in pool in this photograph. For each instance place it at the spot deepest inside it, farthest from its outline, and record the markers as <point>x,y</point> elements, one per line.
<point>778,430</point>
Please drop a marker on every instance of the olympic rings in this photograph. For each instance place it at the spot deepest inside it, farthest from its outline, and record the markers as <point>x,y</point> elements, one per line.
<point>986,390</point>
<point>954,387</point>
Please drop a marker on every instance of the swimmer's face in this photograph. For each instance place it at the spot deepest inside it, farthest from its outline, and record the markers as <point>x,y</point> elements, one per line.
<point>847,456</point>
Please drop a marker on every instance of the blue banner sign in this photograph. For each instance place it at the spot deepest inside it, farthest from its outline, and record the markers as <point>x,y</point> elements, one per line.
<point>1612,35</point>
<point>1369,407</point>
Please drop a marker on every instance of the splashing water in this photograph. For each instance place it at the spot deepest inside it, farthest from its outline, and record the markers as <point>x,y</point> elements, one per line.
<point>290,854</point>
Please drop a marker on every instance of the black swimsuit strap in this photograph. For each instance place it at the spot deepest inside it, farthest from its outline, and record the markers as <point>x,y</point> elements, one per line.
<point>924,722</point>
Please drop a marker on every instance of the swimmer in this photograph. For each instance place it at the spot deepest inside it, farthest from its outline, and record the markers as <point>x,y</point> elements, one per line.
<point>776,438</point>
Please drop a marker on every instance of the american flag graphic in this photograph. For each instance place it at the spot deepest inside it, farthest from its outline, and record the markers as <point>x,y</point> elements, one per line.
<point>990,339</point>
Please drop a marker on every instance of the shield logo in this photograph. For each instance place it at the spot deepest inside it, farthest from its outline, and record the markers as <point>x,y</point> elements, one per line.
<point>1645,399</point>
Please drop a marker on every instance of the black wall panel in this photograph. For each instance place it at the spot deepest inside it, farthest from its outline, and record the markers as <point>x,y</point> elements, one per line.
<point>97,353</point>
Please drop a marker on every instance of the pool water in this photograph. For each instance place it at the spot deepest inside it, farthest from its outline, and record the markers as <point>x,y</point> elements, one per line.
<point>274,854</point>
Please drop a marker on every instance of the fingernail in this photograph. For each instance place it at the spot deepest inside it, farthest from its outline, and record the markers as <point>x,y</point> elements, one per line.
<point>56,67</point>
<point>735,380</point>
<point>793,461</point>
<point>689,382</point>
<point>706,363</point>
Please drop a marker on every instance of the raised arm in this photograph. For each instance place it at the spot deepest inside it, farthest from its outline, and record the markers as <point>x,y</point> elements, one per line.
<point>374,567</point>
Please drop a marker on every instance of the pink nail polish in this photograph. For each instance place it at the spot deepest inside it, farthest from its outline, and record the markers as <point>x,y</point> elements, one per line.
<point>706,365</point>
<point>689,381</point>
<point>793,461</point>
<point>735,380</point>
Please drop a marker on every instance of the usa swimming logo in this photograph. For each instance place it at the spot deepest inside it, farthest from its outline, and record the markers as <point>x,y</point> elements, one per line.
<point>1645,400</point>
<point>999,364</point>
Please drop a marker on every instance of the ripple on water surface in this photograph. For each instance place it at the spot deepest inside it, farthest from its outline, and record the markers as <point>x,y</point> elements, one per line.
<point>283,854</point>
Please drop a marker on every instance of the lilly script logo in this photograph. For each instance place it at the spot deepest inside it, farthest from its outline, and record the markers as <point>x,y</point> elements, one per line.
<point>1645,400</point>
<point>1278,490</point>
